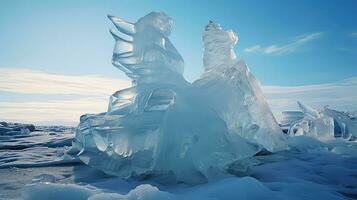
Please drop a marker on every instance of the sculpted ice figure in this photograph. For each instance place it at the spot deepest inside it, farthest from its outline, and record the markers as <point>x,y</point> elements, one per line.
<point>167,128</point>
<point>125,140</point>
<point>144,52</point>
<point>235,93</point>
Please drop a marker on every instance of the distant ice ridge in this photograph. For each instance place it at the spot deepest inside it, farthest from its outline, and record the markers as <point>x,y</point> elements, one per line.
<point>166,128</point>
<point>7,128</point>
<point>26,146</point>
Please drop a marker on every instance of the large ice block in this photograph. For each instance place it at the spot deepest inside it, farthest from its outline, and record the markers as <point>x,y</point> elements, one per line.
<point>166,128</point>
<point>345,125</point>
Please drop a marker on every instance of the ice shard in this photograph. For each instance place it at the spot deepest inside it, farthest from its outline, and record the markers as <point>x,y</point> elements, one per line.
<point>168,128</point>
<point>315,123</point>
<point>345,125</point>
<point>325,123</point>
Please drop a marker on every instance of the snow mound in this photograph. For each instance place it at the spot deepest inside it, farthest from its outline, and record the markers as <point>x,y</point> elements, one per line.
<point>227,189</point>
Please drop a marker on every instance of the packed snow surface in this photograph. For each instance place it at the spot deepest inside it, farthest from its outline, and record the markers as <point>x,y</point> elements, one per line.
<point>310,169</point>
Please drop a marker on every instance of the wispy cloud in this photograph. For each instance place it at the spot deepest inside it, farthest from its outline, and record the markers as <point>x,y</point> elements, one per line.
<point>338,95</point>
<point>254,48</point>
<point>38,82</point>
<point>52,112</point>
<point>88,94</point>
<point>353,34</point>
<point>285,48</point>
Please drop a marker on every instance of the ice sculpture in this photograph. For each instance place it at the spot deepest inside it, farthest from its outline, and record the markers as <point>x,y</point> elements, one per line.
<point>325,123</point>
<point>315,123</point>
<point>167,128</point>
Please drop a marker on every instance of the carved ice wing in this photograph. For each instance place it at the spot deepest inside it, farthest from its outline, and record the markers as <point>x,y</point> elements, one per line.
<point>122,25</point>
<point>123,54</point>
<point>143,51</point>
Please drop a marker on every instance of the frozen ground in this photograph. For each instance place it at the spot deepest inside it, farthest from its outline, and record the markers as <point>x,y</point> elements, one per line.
<point>41,165</point>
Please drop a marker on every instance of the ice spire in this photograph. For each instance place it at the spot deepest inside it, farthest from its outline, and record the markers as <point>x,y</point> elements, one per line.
<point>218,46</point>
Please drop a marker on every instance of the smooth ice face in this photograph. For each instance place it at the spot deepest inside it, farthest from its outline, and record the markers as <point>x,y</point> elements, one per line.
<point>166,128</point>
<point>345,125</point>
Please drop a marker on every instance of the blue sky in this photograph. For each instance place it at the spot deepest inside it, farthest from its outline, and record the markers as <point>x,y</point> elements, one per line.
<point>286,43</point>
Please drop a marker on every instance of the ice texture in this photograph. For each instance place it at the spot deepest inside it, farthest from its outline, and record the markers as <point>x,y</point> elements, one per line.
<point>144,52</point>
<point>345,125</point>
<point>324,123</point>
<point>7,128</point>
<point>289,117</point>
<point>311,169</point>
<point>314,123</point>
<point>166,128</point>
<point>218,46</point>
<point>232,90</point>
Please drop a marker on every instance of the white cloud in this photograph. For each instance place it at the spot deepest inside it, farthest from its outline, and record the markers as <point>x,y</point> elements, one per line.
<point>284,48</point>
<point>38,82</point>
<point>252,49</point>
<point>93,92</point>
<point>339,95</point>
<point>53,112</point>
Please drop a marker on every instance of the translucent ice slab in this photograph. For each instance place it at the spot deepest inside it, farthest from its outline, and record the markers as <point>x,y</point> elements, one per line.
<point>164,127</point>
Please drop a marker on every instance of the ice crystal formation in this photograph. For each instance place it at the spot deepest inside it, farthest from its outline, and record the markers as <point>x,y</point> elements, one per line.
<point>323,124</point>
<point>166,127</point>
